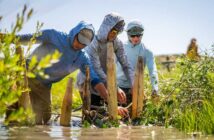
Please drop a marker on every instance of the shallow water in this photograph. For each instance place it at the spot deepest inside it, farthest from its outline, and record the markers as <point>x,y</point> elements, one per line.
<point>124,133</point>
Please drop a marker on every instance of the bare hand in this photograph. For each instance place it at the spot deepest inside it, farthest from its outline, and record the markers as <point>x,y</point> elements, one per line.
<point>155,96</point>
<point>121,96</point>
<point>123,112</point>
<point>100,88</point>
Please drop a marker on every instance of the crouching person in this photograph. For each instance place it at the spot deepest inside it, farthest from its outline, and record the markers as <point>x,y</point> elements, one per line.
<point>72,58</point>
<point>112,25</point>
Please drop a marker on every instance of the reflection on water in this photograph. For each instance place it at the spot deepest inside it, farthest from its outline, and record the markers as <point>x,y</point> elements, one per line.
<point>124,133</point>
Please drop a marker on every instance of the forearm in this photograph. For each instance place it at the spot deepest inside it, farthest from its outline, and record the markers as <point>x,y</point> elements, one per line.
<point>101,74</point>
<point>154,81</point>
<point>95,61</point>
<point>26,38</point>
<point>151,65</point>
<point>153,76</point>
<point>101,89</point>
<point>46,36</point>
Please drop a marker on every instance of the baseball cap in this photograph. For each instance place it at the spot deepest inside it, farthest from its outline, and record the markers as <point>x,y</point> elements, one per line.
<point>85,36</point>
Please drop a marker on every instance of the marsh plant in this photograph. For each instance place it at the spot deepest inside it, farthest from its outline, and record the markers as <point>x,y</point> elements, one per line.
<point>13,71</point>
<point>187,91</point>
<point>187,101</point>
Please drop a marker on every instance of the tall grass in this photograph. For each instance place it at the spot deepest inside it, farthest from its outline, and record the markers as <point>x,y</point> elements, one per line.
<point>187,97</point>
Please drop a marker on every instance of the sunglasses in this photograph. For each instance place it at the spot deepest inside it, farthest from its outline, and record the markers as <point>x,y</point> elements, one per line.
<point>132,36</point>
<point>114,31</point>
<point>118,28</point>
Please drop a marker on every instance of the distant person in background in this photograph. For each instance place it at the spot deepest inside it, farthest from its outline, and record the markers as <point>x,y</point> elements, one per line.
<point>192,50</point>
<point>168,64</point>
<point>134,48</point>
<point>112,25</point>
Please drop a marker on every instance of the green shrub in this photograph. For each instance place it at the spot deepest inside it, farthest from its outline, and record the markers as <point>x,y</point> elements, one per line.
<point>13,72</point>
<point>187,97</point>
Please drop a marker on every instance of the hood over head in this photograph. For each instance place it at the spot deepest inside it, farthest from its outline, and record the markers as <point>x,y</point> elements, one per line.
<point>80,26</point>
<point>135,27</point>
<point>108,23</point>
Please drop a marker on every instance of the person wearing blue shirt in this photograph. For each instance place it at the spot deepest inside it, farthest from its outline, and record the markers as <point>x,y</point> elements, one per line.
<point>72,58</point>
<point>134,47</point>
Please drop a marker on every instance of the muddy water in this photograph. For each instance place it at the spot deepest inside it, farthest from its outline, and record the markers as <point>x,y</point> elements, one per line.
<point>54,131</point>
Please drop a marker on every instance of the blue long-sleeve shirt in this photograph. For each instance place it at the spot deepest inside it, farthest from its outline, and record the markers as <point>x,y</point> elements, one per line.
<point>70,59</point>
<point>132,53</point>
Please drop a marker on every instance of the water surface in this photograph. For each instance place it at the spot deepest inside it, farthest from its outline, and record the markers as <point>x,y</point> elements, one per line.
<point>54,131</point>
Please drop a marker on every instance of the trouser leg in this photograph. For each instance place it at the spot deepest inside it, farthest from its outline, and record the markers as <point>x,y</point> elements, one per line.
<point>10,109</point>
<point>41,101</point>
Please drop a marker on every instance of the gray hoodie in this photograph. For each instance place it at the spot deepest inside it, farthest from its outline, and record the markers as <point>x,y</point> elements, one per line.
<point>97,50</point>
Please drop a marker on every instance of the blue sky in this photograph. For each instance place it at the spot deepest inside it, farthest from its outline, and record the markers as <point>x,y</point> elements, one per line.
<point>169,24</point>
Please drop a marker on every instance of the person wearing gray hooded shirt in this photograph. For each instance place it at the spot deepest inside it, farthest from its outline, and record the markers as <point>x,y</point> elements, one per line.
<point>111,26</point>
<point>134,47</point>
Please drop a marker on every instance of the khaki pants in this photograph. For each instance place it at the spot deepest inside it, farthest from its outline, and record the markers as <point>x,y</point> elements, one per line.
<point>40,97</point>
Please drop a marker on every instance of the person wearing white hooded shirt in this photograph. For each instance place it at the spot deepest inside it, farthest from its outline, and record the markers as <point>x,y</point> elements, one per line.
<point>134,48</point>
